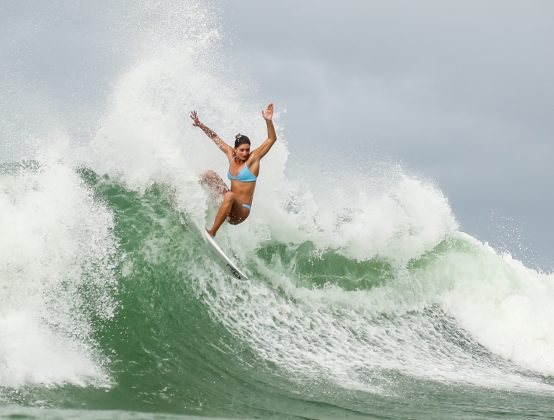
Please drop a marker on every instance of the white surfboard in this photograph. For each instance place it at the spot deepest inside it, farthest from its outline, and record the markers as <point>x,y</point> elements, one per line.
<point>223,260</point>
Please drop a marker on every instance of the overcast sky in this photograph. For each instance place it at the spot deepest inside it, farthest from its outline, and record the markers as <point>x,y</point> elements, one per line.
<point>459,92</point>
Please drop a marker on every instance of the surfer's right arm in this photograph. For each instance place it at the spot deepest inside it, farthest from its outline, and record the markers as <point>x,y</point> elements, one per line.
<point>225,148</point>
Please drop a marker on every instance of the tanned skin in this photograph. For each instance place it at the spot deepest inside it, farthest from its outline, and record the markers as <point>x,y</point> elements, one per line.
<point>231,208</point>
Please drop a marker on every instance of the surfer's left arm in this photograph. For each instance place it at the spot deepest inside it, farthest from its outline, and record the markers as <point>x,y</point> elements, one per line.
<point>261,151</point>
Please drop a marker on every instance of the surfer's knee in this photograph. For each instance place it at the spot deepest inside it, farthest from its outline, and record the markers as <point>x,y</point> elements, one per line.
<point>229,196</point>
<point>208,177</point>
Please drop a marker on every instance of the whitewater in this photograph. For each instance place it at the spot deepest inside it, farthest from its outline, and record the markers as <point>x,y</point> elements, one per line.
<point>364,300</point>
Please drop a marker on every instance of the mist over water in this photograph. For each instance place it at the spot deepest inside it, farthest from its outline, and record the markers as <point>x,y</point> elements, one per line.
<point>365,297</point>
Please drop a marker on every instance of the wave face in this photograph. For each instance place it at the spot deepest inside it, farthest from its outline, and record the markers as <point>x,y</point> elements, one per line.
<point>364,298</point>
<point>110,301</point>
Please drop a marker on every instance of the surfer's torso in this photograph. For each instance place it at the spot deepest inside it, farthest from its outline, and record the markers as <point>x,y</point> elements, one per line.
<point>243,176</point>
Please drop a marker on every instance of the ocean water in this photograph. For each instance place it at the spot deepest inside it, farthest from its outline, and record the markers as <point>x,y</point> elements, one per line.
<point>373,307</point>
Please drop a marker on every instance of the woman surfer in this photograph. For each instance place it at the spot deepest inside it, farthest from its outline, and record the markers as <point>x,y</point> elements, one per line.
<point>244,167</point>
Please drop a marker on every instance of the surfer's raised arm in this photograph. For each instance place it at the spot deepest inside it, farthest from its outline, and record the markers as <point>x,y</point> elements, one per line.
<point>225,148</point>
<point>261,151</point>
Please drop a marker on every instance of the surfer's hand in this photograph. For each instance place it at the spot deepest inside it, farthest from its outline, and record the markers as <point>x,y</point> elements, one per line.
<point>268,112</point>
<point>195,119</point>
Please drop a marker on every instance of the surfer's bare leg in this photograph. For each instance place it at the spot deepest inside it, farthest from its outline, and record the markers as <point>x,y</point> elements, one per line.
<point>217,186</point>
<point>230,208</point>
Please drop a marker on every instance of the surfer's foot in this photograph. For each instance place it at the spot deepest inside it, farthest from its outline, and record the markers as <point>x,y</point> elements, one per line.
<point>210,232</point>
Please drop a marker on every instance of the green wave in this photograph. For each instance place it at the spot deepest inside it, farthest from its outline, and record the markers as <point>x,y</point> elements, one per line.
<point>166,351</point>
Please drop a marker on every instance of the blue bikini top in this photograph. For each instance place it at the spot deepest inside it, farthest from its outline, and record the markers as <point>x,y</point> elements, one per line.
<point>244,175</point>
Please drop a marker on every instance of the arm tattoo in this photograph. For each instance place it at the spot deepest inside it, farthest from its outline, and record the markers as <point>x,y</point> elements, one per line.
<point>213,135</point>
<point>209,132</point>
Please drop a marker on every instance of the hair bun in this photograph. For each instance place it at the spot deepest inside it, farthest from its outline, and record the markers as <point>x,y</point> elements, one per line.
<point>241,139</point>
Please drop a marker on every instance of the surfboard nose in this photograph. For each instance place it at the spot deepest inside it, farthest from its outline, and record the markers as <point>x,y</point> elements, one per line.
<point>221,259</point>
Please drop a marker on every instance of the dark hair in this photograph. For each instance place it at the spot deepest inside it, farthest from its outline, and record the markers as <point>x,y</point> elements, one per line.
<point>241,139</point>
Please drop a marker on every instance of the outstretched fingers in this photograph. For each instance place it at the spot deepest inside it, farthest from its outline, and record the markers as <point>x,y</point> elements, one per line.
<point>194,117</point>
<point>268,112</point>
